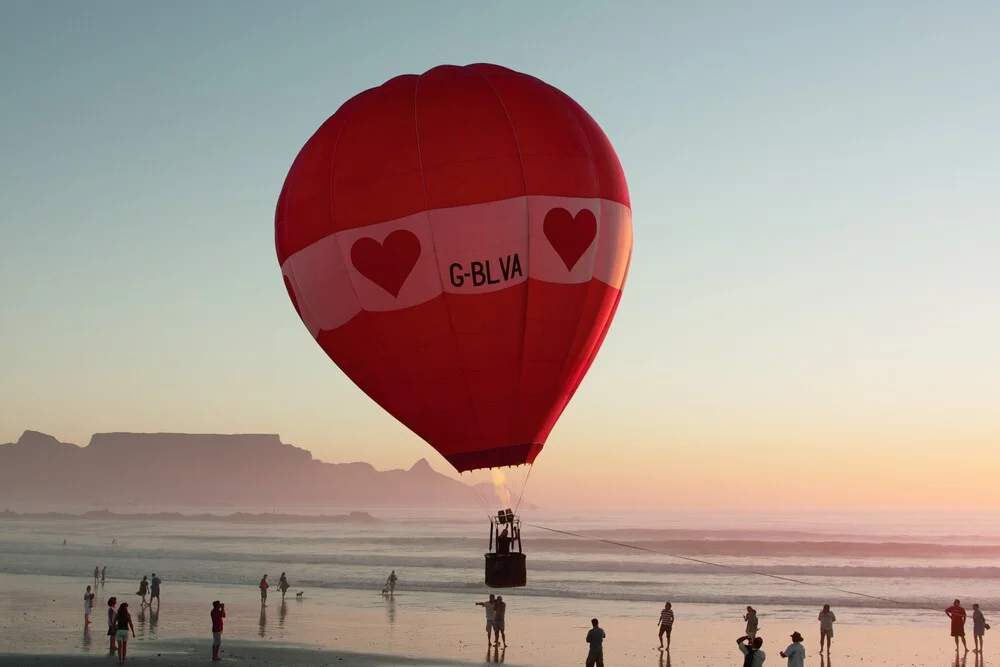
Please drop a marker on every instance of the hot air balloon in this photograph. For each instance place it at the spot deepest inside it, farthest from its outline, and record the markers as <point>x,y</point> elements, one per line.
<point>457,242</point>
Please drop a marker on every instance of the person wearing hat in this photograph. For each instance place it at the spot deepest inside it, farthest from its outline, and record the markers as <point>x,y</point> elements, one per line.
<point>796,653</point>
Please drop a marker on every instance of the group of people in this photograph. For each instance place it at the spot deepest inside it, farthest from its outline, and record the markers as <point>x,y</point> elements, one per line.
<point>119,627</point>
<point>979,626</point>
<point>149,587</point>
<point>282,586</point>
<point>496,610</point>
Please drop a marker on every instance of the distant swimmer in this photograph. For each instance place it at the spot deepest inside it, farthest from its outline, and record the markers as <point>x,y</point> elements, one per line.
<point>103,572</point>
<point>957,616</point>
<point>826,620</point>
<point>143,591</point>
<point>752,623</point>
<point>795,653</point>
<point>390,583</point>
<point>666,623</point>
<point>979,628</point>
<point>753,656</point>
<point>154,590</point>
<point>596,637</point>
<point>283,585</point>
<point>263,590</point>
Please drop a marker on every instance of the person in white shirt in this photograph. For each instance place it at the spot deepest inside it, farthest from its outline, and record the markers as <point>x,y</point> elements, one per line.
<point>795,653</point>
<point>826,620</point>
<point>491,615</point>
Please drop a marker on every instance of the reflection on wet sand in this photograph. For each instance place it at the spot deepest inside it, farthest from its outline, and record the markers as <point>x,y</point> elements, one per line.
<point>263,621</point>
<point>497,655</point>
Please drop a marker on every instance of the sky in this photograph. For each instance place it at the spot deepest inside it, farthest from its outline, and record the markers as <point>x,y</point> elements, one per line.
<point>811,319</point>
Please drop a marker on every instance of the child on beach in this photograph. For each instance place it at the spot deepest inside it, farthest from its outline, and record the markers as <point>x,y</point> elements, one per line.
<point>826,620</point>
<point>979,628</point>
<point>112,627</point>
<point>123,621</point>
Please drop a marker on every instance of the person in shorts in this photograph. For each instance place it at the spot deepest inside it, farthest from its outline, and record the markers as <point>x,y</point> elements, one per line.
<point>112,627</point>
<point>666,623</point>
<point>218,613</point>
<point>595,637</point>
<point>500,610</point>
<point>826,620</point>
<point>123,622</point>
<point>491,614</point>
<point>957,615</point>
<point>154,589</point>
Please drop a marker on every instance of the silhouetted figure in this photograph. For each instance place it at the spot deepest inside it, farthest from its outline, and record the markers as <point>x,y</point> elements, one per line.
<point>263,590</point>
<point>666,623</point>
<point>104,571</point>
<point>595,637</point>
<point>390,582</point>
<point>491,614</point>
<point>88,606</point>
<point>123,620</point>
<point>143,590</point>
<point>503,542</point>
<point>283,585</point>
<point>154,590</point>
<point>957,616</point>
<point>753,656</point>
<point>979,628</point>
<point>112,626</point>
<point>97,574</point>
<point>500,611</point>
<point>796,652</point>
<point>826,620</point>
<point>752,623</point>
<point>218,613</point>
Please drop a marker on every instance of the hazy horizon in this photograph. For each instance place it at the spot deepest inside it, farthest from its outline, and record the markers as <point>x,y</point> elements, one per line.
<point>810,321</point>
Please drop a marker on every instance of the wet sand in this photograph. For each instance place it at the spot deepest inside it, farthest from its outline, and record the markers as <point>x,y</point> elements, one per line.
<point>41,623</point>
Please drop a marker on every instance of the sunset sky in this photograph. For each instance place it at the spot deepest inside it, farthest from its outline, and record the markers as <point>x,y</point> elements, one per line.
<point>812,317</point>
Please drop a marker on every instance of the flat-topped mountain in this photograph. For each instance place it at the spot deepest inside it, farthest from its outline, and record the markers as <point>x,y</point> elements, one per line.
<point>128,470</point>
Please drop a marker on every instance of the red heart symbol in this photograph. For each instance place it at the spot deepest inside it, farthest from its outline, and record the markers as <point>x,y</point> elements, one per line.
<point>387,264</point>
<point>570,236</point>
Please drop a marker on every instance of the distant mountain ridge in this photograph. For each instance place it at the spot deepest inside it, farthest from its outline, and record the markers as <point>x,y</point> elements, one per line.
<point>129,470</point>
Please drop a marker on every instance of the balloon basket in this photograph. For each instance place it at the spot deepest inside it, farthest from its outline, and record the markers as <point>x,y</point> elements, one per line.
<point>506,570</point>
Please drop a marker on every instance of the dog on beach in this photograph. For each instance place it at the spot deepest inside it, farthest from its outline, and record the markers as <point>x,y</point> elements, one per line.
<point>299,594</point>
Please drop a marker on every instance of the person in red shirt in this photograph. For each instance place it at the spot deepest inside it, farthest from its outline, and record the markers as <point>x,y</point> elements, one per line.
<point>218,613</point>
<point>957,616</point>
<point>263,591</point>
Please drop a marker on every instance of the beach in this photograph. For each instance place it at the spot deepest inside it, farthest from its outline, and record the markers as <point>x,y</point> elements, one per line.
<point>342,618</point>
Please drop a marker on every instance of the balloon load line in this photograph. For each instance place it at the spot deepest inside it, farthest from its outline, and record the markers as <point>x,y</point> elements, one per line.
<point>700,561</point>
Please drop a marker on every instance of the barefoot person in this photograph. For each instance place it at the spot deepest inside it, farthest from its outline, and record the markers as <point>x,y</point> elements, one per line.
<point>283,585</point>
<point>596,637</point>
<point>154,590</point>
<point>826,620</point>
<point>88,606</point>
<point>390,582</point>
<point>752,623</point>
<point>795,653</point>
<point>957,616</point>
<point>263,591</point>
<point>123,620</point>
<point>491,614</point>
<point>979,628</point>
<point>143,590</point>
<point>112,626</point>
<point>218,613</point>
<point>666,623</point>
<point>500,610</point>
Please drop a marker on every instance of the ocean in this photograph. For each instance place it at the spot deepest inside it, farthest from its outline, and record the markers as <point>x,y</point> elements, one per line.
<point>918,562</point>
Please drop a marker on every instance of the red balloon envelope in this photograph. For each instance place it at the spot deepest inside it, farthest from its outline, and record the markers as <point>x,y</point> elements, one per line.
<point>457,242</point>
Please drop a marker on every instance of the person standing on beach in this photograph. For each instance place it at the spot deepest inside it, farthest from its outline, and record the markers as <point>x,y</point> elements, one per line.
<point>666,623</point>
<point>490,618</point>
<point>979,628</point>
<point>283,585</point>
<point>263,591</point>
<point>957,616</point>
<point>595,637</point>
<point>154,591</point>
<point>500,609</point>
<point>112,626</point>
<point>391,582</point>
<point>753,656</point>
<point>143,590</point>
<point>795,653</point>
<point>752,623</point>
<point>826,620</point>
<point>88,606</point>
<point>97,574</point>
<point>123,621</point>
<point>218,613</point>
<point>103,571</point>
